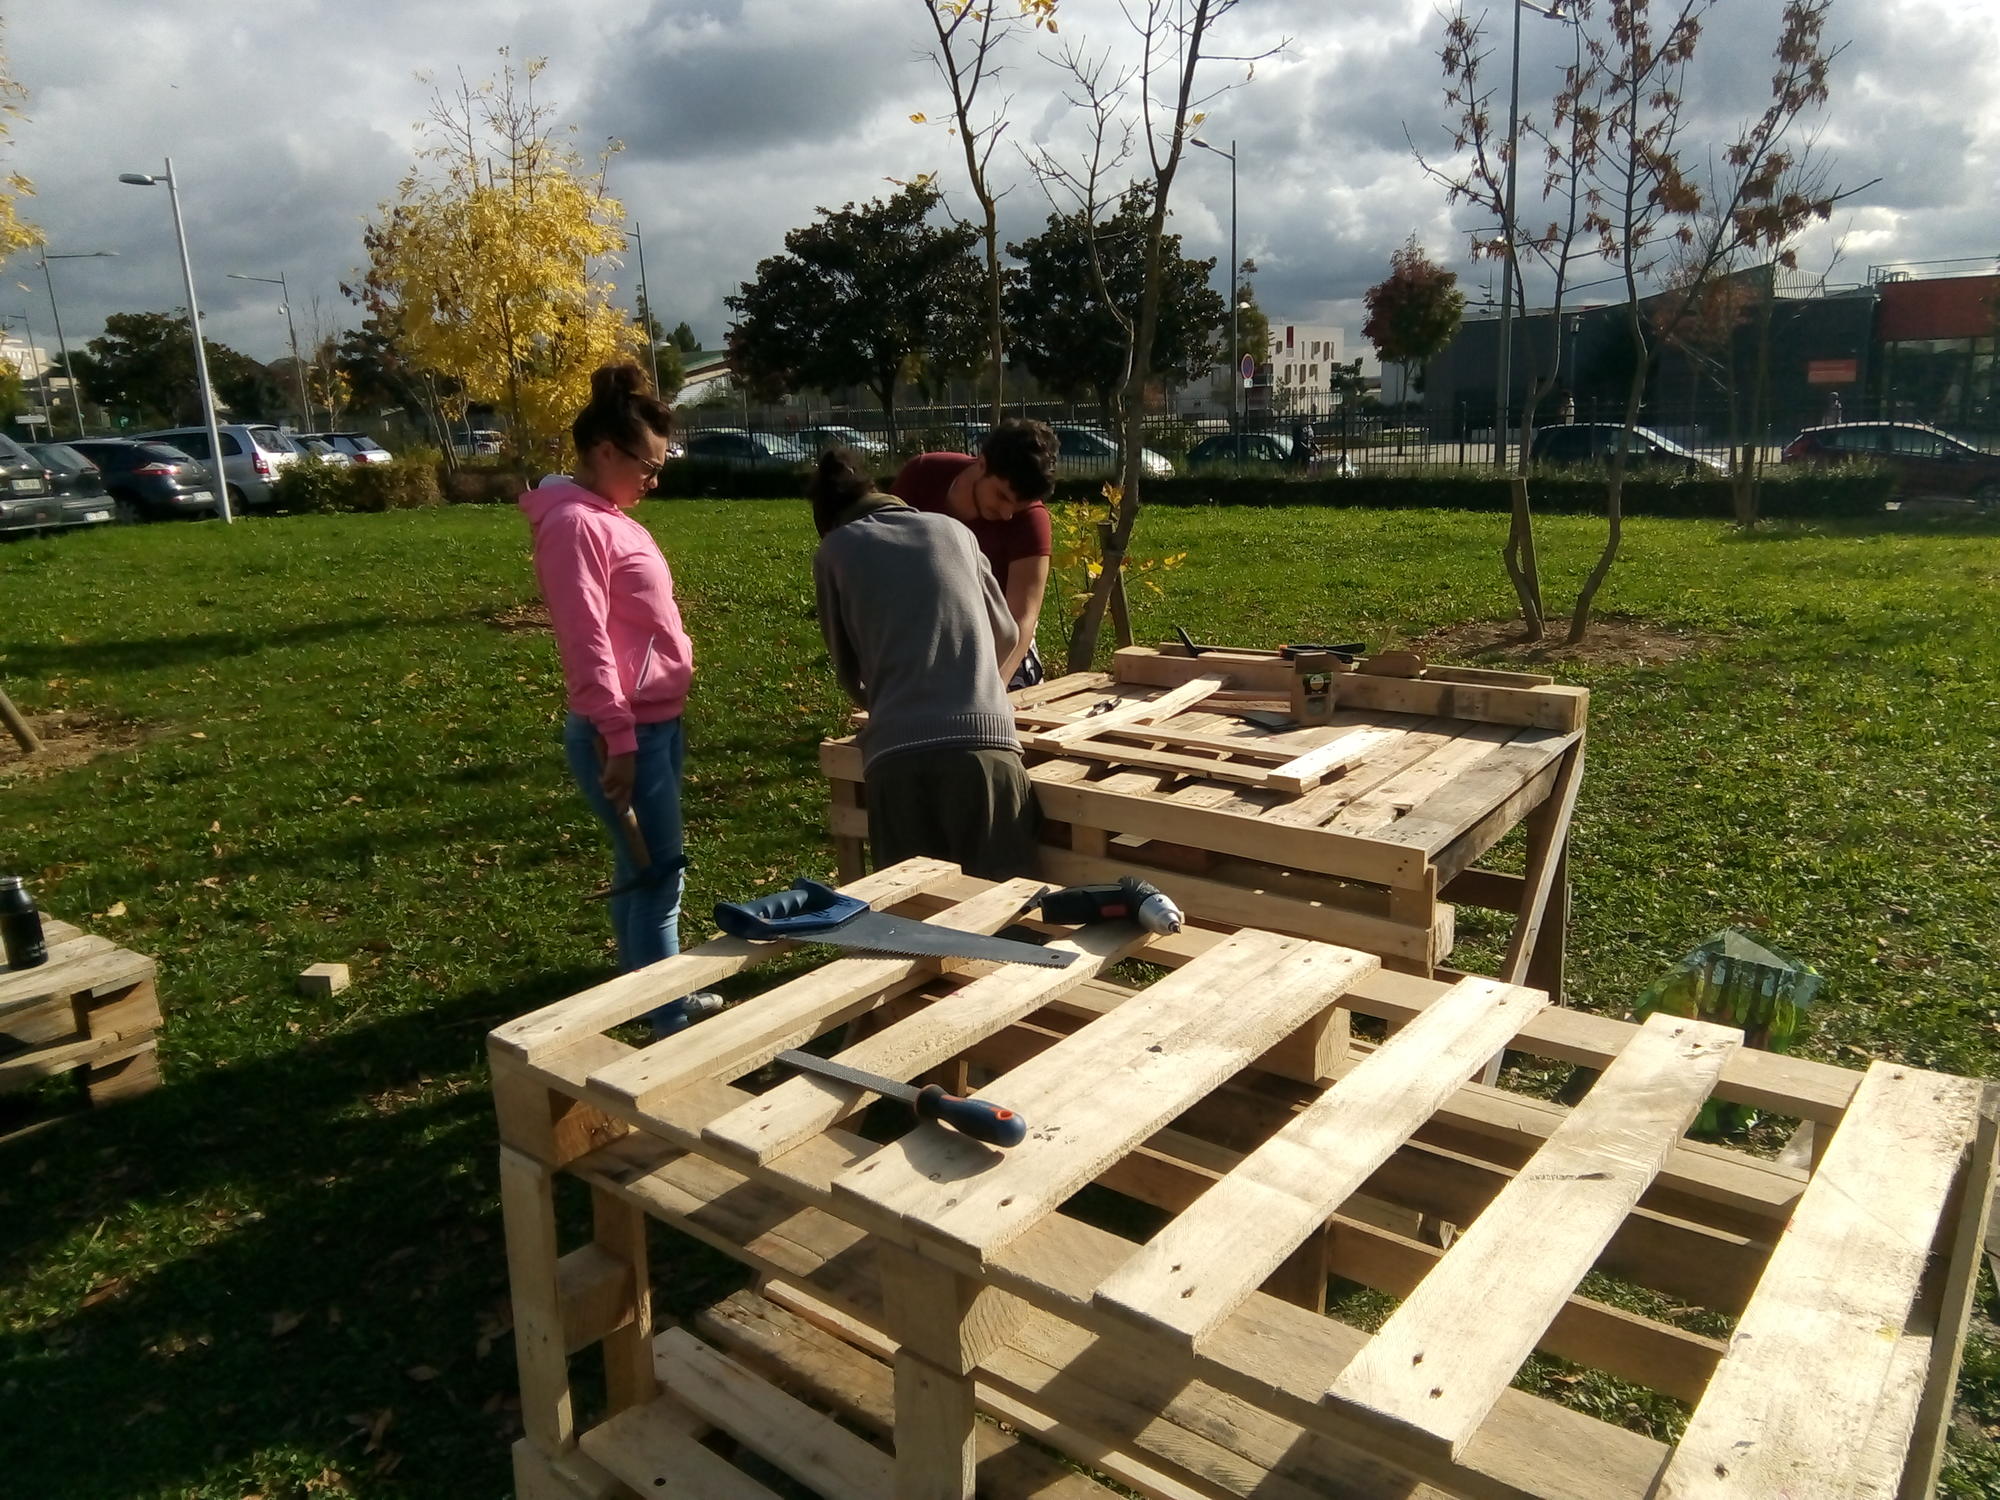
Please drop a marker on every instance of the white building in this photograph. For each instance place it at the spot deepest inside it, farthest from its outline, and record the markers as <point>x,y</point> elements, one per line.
<point>1302,359</point>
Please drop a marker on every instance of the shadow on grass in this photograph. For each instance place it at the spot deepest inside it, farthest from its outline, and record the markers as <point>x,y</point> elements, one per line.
<point>1889,523</point>
<point>40,658</point>
<point>352,1264</point>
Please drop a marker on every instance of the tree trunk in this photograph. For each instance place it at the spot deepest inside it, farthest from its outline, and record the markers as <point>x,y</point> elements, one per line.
<point>995,329</point>
<point>1614,504</point>
<point>17,724</point>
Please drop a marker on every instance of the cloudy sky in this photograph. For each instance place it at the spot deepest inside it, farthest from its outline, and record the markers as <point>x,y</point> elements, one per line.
<point>290,121</point>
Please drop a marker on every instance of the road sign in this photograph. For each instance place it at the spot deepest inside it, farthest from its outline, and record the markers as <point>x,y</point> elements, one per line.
<point>1248,367</point>
<point>33,419</point>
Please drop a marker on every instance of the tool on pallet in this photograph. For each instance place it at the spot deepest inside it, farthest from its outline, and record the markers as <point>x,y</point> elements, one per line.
<point>1346,651</point>
<point>813,913</point>
<point>981,1119</point>
<point>1128,897</point>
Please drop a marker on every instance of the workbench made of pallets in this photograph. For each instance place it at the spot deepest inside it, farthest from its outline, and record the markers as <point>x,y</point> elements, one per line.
<point>1362,830</point>
<point>94,1007</point>
<point>1264,1149</point>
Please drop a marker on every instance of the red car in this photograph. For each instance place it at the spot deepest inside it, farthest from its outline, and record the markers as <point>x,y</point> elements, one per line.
<point>1925,460</point>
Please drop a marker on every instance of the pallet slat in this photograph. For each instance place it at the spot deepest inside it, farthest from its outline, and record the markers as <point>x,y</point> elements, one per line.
<point>1792,1405</point>
<point>1443,1358</point>
<point>1104,1089</point>
<point>1192,1274</point>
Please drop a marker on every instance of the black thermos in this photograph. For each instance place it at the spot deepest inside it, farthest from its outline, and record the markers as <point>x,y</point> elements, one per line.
<point>20,925</point>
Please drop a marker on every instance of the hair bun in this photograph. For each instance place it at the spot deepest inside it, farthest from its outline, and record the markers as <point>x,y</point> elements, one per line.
<point>617,382</point>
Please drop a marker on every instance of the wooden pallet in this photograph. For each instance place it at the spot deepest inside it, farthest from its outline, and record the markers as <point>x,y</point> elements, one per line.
<point>1364,830</point>
<point>93,1007</point>
<point>1277,1149</point>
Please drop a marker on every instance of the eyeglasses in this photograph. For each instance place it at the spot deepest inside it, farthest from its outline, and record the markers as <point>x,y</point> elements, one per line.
<point>648,466</point>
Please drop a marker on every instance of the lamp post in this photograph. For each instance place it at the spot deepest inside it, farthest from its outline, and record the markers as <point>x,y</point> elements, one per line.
<point>298,368</point>
<point>645,296</point>
<point>144,179</point>
<point>1505,381</point>
<point>1235,376</point>
<point>48,278</point>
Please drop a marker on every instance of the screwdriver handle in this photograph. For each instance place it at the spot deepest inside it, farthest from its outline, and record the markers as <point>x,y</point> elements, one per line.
<point>979,1118</point>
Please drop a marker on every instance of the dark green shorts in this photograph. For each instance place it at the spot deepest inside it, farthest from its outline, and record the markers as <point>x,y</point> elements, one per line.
<point>975,808</point>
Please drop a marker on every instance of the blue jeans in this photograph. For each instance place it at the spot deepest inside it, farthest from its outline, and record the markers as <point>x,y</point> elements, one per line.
<point>646,919</point>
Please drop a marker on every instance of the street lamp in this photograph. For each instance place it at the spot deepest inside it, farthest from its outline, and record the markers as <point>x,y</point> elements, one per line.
<point>145,179</point>
<point>1235,375</point>
<point>75,401</point>
<point>1504,384</point>
<point>298,369</point>
<point>652,353</point>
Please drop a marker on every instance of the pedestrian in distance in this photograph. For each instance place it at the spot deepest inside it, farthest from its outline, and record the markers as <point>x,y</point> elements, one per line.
<point>917,628</point>
<point>1304,450</point>
<point>999,496</point>
<point>627,661</point>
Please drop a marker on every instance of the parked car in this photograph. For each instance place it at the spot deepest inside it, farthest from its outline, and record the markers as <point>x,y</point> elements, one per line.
<point>148,481</point>
<point>817,440</point>
<point>479,442</point>
<point>252,454</point>
<point>321,449</point>
<point>740,449</point>
<point>1260,453</point>
<point>1089,452</point>
<point>76,482</point>
<point>356,447</point>
<point>1574,443</point>
<point>1926,460</point>
<point>28,502</point>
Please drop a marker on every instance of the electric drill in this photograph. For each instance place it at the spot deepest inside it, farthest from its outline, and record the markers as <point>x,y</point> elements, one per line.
<point>1142,901</point>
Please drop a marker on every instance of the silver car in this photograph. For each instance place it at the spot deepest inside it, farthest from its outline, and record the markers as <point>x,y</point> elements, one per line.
<point>358,447</point>
<point>252,455</point>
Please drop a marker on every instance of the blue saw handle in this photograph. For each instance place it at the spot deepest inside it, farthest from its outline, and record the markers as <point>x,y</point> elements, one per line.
<point>979,1118</point>
<point>808,907</point>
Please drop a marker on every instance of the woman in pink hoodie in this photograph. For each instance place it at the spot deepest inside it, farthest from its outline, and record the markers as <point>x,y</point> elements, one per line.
<point>626,661</point>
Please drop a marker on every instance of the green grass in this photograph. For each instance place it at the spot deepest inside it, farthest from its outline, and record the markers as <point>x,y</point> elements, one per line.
<point>219,1289</point>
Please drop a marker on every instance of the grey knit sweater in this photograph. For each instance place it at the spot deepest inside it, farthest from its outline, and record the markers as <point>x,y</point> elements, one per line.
<point>916,627</point>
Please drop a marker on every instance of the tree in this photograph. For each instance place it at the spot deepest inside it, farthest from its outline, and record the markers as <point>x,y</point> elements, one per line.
<point>684,339</point>
<point>1414,311</point>
<point>15,232</point>
<point>481,269</point>
<point>863,297</point>
<point>1162,82</point>
<point>143,364</point>
<point>1071,341</point>
<point>381,380</point>
<point>970,39</point>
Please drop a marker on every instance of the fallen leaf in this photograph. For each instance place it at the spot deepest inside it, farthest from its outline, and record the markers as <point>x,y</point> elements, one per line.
<point>421,1372</point>
<point>283,1323</point>
<point>105,1290</point>
<point>197,735</point>
<point>116,909</point>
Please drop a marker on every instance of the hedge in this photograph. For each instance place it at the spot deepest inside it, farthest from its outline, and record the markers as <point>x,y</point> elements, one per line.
<point>1802,496</point>
<point>313,485</point>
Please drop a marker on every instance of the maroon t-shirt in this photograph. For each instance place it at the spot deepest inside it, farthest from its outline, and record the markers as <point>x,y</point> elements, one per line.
<point>922,484</point>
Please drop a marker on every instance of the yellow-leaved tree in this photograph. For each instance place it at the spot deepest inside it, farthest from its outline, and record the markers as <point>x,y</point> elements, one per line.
<point>484,266</point>
<point>15,232</point>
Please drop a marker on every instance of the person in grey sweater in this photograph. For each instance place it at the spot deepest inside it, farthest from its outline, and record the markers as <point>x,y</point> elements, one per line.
<point>917,627</point>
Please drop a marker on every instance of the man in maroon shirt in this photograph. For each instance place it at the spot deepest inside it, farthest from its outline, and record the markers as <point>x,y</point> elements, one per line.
<point>998,495</point>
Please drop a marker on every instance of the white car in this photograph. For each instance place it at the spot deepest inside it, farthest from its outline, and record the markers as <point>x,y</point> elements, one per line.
<point>1090,452</point>
<point>356,447</point>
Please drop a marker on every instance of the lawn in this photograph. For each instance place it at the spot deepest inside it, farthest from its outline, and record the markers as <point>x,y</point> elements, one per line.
<point>283,1273</point>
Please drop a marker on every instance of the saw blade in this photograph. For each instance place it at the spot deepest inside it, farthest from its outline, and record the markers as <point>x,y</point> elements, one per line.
<point>877,932</point>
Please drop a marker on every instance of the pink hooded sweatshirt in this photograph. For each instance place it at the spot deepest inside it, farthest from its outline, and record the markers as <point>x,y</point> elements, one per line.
<point>625,658</point>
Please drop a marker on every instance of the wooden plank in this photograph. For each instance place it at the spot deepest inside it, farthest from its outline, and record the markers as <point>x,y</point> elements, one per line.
<point>1195,1271</point>
<point>1238,773</point>
<point>1441,1361</point>
<point>647,1448</point>
<point>1319,850</point>
<point>1415,739</point>
<point>618,1231</point>
<point>936,1451</point>
<point>1237,906</point>
<point>1134,711</point>
<point>1051,688</point>
<point>527,1205</point>
<point>1304,772</point>
<point>1791,1407</point>
<point>1954,1311</point>
<point>1379,809</point>
<point>831,1372</point>
<point>562,1476</point>
<point>1457,806</point>
<point>1251,744</point>
<point>748,1036</point>
<point>800,1107</point>
<point>813,1449</point>
<point>82,966</point>
<point>545,1032</point>
<point>1097,1093</point>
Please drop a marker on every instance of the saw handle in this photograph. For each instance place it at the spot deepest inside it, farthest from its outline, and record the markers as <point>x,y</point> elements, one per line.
<point>808,907</point>
<point>979,1118</point>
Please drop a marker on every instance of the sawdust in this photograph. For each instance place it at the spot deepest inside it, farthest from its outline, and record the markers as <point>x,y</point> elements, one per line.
<point>534,616</point>
<point>69,739</point>
<point>1614,641</point>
